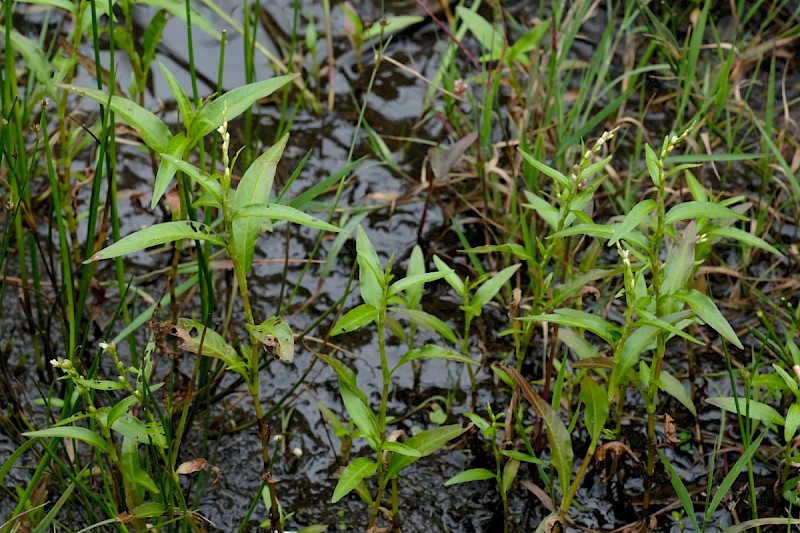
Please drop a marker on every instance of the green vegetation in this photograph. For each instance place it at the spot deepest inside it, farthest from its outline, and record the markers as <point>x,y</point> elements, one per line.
<point>587,306</point>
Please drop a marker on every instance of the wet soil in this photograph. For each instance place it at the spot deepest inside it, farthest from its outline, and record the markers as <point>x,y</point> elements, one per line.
<point>393,109</point>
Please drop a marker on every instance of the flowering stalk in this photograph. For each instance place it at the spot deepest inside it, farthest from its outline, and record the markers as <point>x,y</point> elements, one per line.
<point>252,354</point>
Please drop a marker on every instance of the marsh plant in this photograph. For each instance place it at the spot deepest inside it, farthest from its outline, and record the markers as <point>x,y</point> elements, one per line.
<point>240,215</point>
<point>392,452</point>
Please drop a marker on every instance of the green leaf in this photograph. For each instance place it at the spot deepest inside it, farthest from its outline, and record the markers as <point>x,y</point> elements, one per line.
<point>402,449</point>
<point>360,413</point>
<point>275,333</point>
<point>680,261</point>
<point>680,489</point>
<point>733,475</point>
<point>653,165</point>
<point>742,236</point>
<point>544,169</point>
<point>358,470</point>
<point>486,34</point>
<point>100,384</point>
<point>431,351</point>
<point>602,231</point>
<point>61,4</point>
<point>233,103</point>
<point>596,413</point>
<point>792,422</point>
<point>148,510</point>
<point>417,280</point>
<point>120,408</point>
<point>675,388</point>
<point>152,36</point>
<point>371,278</point>
<point>491,287</point>
<point>166,171</point>
<point>416,267</point>
<point>790,382</point>
<point>33,57</point>
<point>213,344</point>
<point>580,320</point>
<point>184,104</point>
<point>635,344</point>
<point>695,209</point>
<point>345,374</point>
<point>393,25</point>
<point>210,185</point>
<point>254,189</point>
<point>510,249</point>
<point>450,276</point>
<point>528,42</point>
<point>561,454</point>
<point>509,474</point>
<point>153,131</point>
<point>284,212</point>
<point>473,474</point>
<point>155,235</point>
<point>632,220</point>
<point>178,9</point>
<point>426,442</point>
<point>709,313</point>
<point>753,409</point>
<point>428,321</point>
<point>546,212</point>
<point>354,319</point>
<point>71,432</point>
<point>519,456</point>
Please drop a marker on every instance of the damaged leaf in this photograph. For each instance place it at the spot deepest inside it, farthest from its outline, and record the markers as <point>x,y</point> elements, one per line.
<point>275,333</point>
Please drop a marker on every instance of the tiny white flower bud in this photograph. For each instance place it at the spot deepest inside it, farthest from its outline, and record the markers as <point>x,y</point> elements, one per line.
<point>297,451</point>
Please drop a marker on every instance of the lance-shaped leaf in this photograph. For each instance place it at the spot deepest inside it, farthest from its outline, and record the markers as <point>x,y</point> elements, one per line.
<point>431,351</point>
<point>561,454</point>
<point>687,210</point>
<point>283,212</point>
<point>210,185</point>
<point>596,413</point>
<point>155,235</point>
<point>654,165</point>
<point>544,169</point>
<point>232,104</point>
<point>473,474</point>
<point>639,212</point>
<point>580,320</point>
<point>355,318</point>
<point>751,408</point>
<point>152,130</point>
<point>743,237</point>
<point>425,442</point>
<point>428,321</point>
<point>370,278</point>
<point>680,261</point>
<point>194,334</point>
<point>672,386</point>
<point>184,104</point>
<point>490,288</point>
<point>166,170</point>
<point>360,414</point>
<point>72,432</point>
<point>254,189</point>
<point>275,333</point>
<point>356,471</point>
<point>707,310</point>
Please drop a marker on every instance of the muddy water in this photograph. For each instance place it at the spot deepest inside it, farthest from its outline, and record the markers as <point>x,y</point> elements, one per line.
<point>393,108</point>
